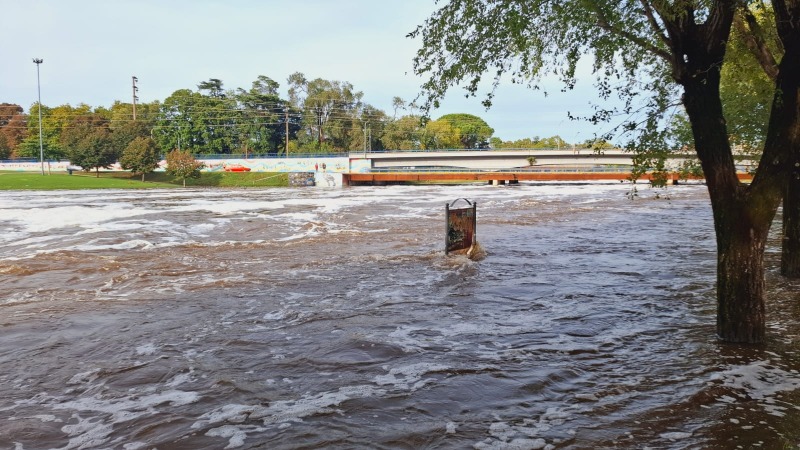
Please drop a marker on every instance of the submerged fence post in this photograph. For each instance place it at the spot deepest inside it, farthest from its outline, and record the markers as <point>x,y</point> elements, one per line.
<point>460,227</point>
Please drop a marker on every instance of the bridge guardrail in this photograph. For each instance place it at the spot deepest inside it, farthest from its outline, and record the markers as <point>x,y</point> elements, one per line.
<point>608,169</point>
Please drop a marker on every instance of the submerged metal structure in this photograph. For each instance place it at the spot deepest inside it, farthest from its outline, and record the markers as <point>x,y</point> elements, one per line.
<point>460,227</point>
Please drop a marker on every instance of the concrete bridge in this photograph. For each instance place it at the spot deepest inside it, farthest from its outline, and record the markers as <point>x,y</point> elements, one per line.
<point>500,166</point>
<point>500,159</point>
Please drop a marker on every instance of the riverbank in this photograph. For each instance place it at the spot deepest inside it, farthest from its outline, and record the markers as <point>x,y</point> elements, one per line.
<point>124,180</point>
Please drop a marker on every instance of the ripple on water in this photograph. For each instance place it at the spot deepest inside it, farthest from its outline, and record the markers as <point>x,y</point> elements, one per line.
<point>245,318</point>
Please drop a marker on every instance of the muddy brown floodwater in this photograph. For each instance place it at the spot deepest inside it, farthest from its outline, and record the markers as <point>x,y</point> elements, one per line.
<point>331,318</point>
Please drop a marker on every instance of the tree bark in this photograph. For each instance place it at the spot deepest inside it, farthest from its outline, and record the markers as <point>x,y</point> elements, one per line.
<point>742,214</point>
<point>741,222</point>
<point>741,240</point>
<point>790,245</point>
<point>787,102</point>
<point>786,86</point>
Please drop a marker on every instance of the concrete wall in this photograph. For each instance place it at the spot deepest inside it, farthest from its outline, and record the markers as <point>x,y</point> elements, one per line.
<point>321,164</point>
<point>323,172</point>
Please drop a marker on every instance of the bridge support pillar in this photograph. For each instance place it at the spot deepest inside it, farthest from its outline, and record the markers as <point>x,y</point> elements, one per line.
<point>497,182</point>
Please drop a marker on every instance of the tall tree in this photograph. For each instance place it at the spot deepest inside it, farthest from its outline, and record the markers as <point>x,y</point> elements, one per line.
<point>182,164</point>
<point>55,121</point>
<point>666,50</point>
<point>94,151</point>
<point>13,126</point>
<point>440,134</point>
<point>5,148</point>
<point>474,132</point>
<point>78,127</point>
<point>397,103</point>
<point>124,129</point>
<point>213,86</point>
<point>367,131</point>
<point>141,156</point>
<point>176,125</point>
<point>265,117</point>
<point>403,133</point>
<point>332,108</point>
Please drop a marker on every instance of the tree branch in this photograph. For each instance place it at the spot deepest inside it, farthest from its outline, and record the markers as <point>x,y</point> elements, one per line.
<point>651,18</point>
<point>754,40</point>
<point>602,22</point>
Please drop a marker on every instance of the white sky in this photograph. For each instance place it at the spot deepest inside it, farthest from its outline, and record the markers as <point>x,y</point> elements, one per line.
<point>91,48</point>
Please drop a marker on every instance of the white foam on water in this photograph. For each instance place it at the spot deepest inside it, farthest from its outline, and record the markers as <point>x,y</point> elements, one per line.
<point>296,217</point>
<point>277,413</point>
<point>409,377</point>
<point>228,205</point>
<point>84,377</point>
<point>232,417</point>
<point>675,435</point>
<point>93,417</point>
<point>450,428</point>
<point>36,242</point>
<point>312,231</point>
<point>146,349</point>
<point>94,245</point>
<point>527,433</point>
<point>416,338</point>
<point>181,378</point>
<point>762,381</point>
<point>125,225</point>
<point>127,408</point>
<point>47,418</point>
<point>236,435</point>
<point>35,220</point>
<point>87,433</point>
<point>275,315</point>
<point>201,229</point>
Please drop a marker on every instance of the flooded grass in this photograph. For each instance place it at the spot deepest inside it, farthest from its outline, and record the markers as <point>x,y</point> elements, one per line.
<point>125,180</point>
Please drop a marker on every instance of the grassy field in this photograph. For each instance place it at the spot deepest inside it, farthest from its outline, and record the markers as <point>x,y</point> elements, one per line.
<point>124,180</point>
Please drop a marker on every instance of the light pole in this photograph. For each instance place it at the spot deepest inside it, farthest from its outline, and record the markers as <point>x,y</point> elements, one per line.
<point>38,61</point>
<point>135,90</point>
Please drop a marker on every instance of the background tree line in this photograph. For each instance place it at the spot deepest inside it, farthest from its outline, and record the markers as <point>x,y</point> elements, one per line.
<point>318,116</point>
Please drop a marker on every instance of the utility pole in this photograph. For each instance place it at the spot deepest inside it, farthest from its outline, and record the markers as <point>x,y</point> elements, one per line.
<point>286,121</point>
<point>38,61</point>
<point>135,90</point>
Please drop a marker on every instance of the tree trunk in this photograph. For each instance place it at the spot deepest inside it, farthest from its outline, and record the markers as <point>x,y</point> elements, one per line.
<point>789,88</point>
<point>742,216</point>
<point>740,276</point>
<point>97,172</point>
<point>790,246</point>
<point>142,177</point>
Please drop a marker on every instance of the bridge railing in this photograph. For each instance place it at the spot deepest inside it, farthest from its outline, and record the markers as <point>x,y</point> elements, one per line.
<point>430,150</point>
<point>598,169</point>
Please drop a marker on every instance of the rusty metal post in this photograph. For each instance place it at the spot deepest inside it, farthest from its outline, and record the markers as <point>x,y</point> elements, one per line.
<point>474,223</point>
<point>446,228</point>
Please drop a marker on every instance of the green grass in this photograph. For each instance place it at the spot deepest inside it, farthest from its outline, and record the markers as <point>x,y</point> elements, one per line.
<point>124,180</point>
